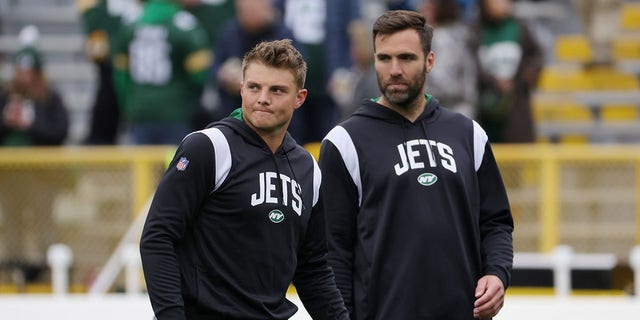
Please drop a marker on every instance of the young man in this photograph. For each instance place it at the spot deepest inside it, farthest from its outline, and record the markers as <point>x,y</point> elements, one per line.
<point>418,217</point>
<point>237,216</point>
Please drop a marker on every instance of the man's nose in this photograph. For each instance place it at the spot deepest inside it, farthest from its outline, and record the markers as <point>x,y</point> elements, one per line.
<point>264,98</point>
<point>396,68</point>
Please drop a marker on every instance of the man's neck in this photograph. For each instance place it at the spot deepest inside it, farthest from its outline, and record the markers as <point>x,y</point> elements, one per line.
<point>273,141</point>
<point>411,111</point>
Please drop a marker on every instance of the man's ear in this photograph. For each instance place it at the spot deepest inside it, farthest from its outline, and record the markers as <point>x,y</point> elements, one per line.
<point>301,97</point>
<point>431,57</point>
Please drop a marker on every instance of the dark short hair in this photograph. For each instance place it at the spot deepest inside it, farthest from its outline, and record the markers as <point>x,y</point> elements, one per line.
<point>278,54</point>
<point>399,20</point>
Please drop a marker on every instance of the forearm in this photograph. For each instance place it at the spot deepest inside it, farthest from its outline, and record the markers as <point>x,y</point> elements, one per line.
<point>341,205</point>
<point>496,221</point>
<point>314,279</point>
<point>162,275</point>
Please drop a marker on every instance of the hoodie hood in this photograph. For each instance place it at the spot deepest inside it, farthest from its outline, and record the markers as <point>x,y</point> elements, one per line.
<point>372,109</point>
<point>236,123</point>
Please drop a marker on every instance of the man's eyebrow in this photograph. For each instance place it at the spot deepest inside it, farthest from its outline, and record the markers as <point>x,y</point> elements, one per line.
<point>407,55</point>
<point>279,86</point>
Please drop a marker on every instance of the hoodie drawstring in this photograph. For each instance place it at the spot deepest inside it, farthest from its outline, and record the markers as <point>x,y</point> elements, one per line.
<point>293,173</point>
<point>404,138</point>
<point>424,130</point>
<point>279,186</point>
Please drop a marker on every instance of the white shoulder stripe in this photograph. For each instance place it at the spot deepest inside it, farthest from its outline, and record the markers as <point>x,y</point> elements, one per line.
<point>317,180</point>
<point>342,140</point>
<point>479,141</point>
<point>222,154</point>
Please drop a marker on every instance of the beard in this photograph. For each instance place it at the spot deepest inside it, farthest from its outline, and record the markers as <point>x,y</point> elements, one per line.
<point>404,98</point>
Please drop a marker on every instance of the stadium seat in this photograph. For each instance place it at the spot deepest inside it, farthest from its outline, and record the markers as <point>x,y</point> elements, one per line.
<point>609,78</point>
<point>572,48</point>
<point>561,111</point>
<point>562,78</point>
<point>626,47</point>
<point>630,16</point>
<point>617,112</point>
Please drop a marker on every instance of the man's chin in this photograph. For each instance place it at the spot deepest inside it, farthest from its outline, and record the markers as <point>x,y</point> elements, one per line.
<point>397,98</point>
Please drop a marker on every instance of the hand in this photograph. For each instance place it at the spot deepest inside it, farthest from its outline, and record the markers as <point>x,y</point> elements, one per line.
<point>230,75</point>
<point>504,85</point>
<point>489,297</point>
<point>18,114</point>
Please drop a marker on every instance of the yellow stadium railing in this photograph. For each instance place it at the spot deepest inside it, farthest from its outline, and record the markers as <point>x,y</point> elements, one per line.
<point>582,195</point>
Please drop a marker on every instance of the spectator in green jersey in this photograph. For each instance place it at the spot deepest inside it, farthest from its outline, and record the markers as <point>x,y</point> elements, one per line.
<point>161,58</point>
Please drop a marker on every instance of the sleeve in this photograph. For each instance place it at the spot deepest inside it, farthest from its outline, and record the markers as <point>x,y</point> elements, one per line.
<point>533,58</point>
<point>496,222</point>
<point>469,76</point>
<point>198,56</point>
<point>222,47</point>
<point>176,203</point>
<point>51,122</point>
<point>120,61</point>
<point>88,11</point>
<point>93,17</point>
<point>3,101</point>
<point>341,206</point>
<point>340,14</point>
<point>483,77</point>
<point>314,279</point>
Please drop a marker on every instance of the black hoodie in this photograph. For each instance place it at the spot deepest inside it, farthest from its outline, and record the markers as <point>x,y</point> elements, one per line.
<point>416,212</point>
<point>232,225</point>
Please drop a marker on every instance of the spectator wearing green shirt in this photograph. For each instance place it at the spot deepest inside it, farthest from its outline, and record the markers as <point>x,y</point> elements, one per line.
<point>161,59</point>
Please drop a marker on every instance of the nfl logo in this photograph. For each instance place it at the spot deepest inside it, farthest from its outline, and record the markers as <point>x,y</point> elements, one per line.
<point>182,164</point>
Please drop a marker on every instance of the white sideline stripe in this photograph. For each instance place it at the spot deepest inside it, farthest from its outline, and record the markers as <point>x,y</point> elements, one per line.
<point>117,306</point>
<point>532,260</point>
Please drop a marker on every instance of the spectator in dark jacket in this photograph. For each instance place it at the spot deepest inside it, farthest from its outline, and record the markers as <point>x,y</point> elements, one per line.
<point>509,60</point>
<point>32,111</point>
<point>255,21</point>
<point>31,114</point>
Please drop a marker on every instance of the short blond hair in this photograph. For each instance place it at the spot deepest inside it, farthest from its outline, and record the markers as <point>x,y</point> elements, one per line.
<point>278,54</point>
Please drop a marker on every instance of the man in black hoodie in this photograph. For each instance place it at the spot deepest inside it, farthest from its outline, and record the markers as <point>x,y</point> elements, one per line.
<point>419,221</point>
<point>237,216</point>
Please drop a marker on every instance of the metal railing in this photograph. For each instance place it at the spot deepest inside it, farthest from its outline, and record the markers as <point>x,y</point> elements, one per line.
<point>583,196</point>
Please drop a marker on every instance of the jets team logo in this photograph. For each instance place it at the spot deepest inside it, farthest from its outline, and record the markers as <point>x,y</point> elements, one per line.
<point>276,216</point>
<point>426,179</point>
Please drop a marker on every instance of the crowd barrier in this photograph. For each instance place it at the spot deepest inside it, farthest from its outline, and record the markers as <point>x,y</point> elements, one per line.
<point>582,196</point>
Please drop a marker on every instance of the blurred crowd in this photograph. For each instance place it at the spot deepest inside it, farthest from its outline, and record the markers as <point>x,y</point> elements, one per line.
<point>169,67</point>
